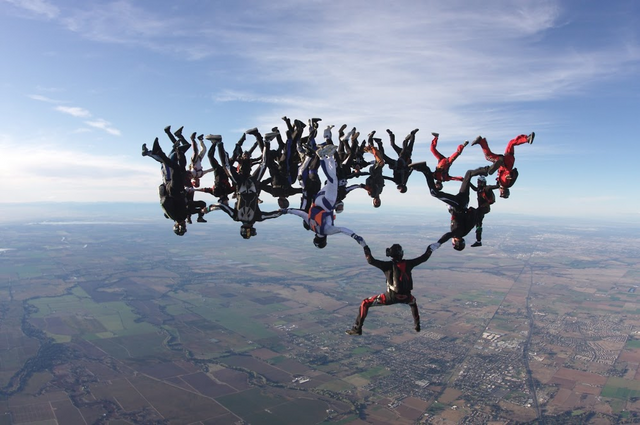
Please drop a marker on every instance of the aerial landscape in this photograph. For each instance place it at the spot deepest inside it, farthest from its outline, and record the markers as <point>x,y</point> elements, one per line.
<point>125,323</point>
<point>202,199</point>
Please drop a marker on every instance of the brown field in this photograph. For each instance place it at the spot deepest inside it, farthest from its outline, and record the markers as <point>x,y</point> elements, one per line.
<point>175,404</point>
<point>235,379</point>
<point>122,392</point>
<point>581,377</point>
<point>449,396</point>
<point>206,386</point>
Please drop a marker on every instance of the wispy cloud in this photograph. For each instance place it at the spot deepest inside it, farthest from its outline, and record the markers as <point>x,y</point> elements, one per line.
<point>79,112</point>
<point>40,98</point>
<point>73,111</point>
<point>41,8</point>
<point>103,125</point>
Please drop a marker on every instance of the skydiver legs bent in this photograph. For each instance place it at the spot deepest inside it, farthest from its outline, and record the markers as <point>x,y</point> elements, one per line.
<point>387,298</point>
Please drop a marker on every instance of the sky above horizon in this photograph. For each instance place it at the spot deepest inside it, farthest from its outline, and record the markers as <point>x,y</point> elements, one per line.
<point>85,83</point>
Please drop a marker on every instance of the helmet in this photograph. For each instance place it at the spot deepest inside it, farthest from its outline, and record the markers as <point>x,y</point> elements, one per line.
<point>482,180</point>
<point>458,244</point>
<point>395,251</point>
<point>339,207</point>
<point>179,228</point>
<point>377,202</point>
<point>320,241</point>
<point>283,202</point>
<point>438,185</point>
<point>247,231</point>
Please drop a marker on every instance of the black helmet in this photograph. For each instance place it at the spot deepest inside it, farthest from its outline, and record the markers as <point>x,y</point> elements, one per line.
<point>320,241</point>
<point>179,228</point>
<point>395,251</point>
<point>283,202</point>
<point>458,244</point>
<point>247,232</point>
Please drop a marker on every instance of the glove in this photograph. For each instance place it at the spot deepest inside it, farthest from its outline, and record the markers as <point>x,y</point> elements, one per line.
<point>434,246</point>
<point>284,210</point>
<point>367,251</point>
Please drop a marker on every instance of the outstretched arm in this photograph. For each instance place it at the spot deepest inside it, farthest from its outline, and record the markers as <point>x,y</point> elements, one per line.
<point>269,215</point>
<point>445,237</point>
<point>332,230</point>
<point>224,207</point>
<point>424,257</point>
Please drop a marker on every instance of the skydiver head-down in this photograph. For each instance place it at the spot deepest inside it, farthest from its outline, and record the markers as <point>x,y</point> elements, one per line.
<point>458,243</point>
<point>180,228</point>
<point>320,241</point>
<point>246,231</point>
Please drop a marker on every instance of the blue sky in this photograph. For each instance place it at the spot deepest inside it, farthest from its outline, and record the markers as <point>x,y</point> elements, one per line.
<point>85,83</point>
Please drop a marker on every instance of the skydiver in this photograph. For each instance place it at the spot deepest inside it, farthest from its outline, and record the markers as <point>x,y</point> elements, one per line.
<point>507,174</point>
<point>399,284</point>
<point>400,166</point>
<point>320,217</point>
<point>463,217</point>
<point>221,187</point>
<point>485,199</point>
<point>247,191</point>
<point>278,183</point>
<point>441,173</point>
<point>374,183</point>
<point>195,166</point>
<point>172,190</point>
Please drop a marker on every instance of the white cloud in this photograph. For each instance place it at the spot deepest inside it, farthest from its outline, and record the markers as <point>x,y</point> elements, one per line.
<point>73,111</point>
<point>104,125</point>
<point>39,7</point>
<point>66,175</point>
<point>40,98</point>
<point>79,112</point>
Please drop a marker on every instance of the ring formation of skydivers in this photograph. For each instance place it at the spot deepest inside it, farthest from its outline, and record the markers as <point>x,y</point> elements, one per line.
<point>293,164</point>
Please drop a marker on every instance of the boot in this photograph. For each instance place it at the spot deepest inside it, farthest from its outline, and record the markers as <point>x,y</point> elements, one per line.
<point>354,331</point>
<point>530,137</point>
<point>167,130</point>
